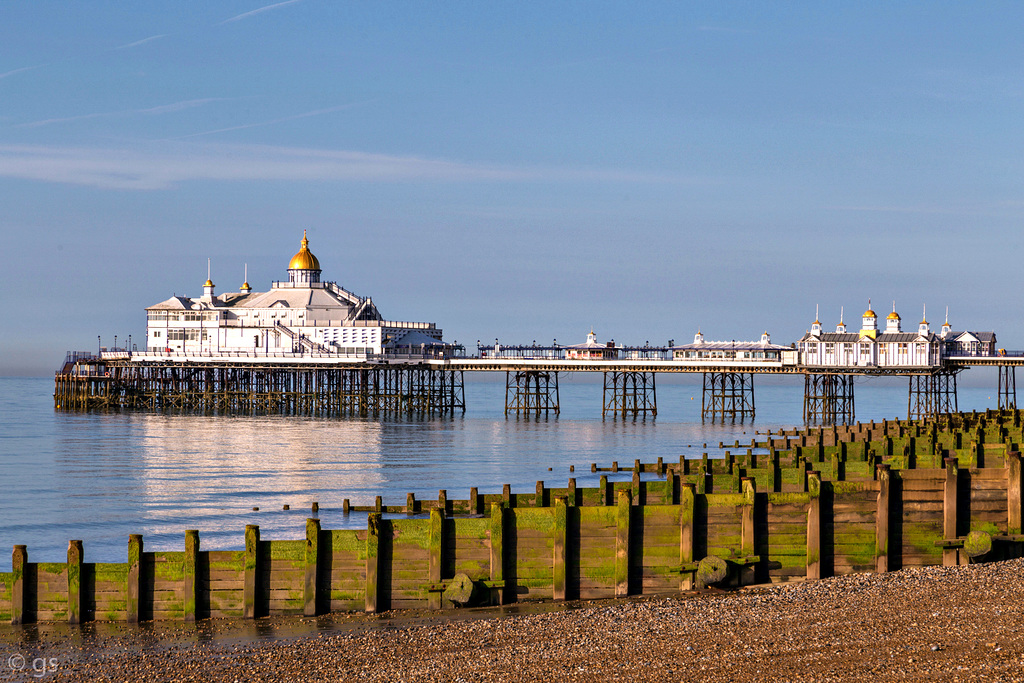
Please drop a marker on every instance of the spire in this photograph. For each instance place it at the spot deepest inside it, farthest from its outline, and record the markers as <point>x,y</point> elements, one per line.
<point>245,285</point>
<point>841,327</point>
<point>208,285</point>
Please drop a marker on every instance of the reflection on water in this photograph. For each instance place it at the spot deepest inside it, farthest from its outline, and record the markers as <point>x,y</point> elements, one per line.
<point>99,477</point>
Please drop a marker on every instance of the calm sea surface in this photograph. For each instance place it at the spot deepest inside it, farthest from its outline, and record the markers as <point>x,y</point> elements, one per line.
<point>99,477</point>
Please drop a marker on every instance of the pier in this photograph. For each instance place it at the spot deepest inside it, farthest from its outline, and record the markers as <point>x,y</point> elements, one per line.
<point>341,384</point>
<point>310,346</point>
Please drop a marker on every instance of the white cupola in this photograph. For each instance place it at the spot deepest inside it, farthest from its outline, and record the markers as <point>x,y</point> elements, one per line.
<point>869,323</point>
<point>816,325</point>
<point>892,321</point>
<point>841,327</point>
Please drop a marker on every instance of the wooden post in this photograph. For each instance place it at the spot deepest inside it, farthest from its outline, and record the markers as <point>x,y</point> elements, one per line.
<point>603,486</point>
<point>435,550</point>
<point>474,501</point>
<point>687,498</point>
<point>506,495</point>
<point>133,587</point>
<point>747,486</point>
<point>559,543</point>
<point>19,560</point>
<point>188,572</point>
<point>373,524</point>
<point>497,529</point>
<point>1013,493</point>
<point>252,546</point>
<point>637,498</point>
<point>410,503</point>
<point>814,526</point>
<point>74,573</point>
<point>312,556</point>
<point>950,556</point>
<point>624,505</point>
<point>442,501</point>
<point>571,488</point>
<point>882,520</point>
<point>538,498</point>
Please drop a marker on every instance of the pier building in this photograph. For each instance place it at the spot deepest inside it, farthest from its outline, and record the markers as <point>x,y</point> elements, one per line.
<point>300,314</point>
<point>717,351</point>
<point>870,347</point>
<point>592,349</point>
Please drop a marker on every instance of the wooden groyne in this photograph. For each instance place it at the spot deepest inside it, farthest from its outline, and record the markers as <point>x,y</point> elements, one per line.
<point>800,505</point>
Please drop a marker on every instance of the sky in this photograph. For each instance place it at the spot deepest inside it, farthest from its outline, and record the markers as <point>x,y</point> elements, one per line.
<point>521,171</point>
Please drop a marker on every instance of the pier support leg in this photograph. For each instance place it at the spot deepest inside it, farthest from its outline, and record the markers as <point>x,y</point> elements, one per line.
<point>1007,387</point>
<point>727,395</point>
<point>828,399</point>
<point>531,391</point>
<point>629,393</point>
<point>931,395</point>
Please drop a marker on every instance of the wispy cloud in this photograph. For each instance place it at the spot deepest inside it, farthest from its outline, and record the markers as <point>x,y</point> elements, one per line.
<point>938,210</point>
<point>141,42</point>
<point>162,109</point>
<point>164,166</point>
<point>724,29</point>
<point>294,117</point>
<point>260,10</point>
<point>18,71</point>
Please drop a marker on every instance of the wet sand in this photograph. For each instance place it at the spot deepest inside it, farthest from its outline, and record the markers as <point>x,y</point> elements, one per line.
<point>936,623</point>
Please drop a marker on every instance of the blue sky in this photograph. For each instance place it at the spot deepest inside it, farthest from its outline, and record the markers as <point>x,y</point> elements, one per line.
<point>513,170</point>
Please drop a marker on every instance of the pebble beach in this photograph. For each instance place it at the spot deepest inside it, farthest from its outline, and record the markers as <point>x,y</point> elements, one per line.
<point>922,624</point>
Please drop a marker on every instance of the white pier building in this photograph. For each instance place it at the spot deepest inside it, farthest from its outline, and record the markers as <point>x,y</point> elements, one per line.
<point>718,351</point>
<point>300,315</point>
<point>891,348</point>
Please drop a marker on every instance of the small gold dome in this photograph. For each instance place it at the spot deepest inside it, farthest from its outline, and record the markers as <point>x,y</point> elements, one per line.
<point>208,283</point>
<point>304,260</point>
<point>893,316</point>
<point>245,286</point>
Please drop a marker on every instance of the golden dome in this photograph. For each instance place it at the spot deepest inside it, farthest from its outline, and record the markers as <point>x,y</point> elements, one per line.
<point>869,314</point>
<point>304,260</point>
<point>208,283</point>
<point>893,316</point>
